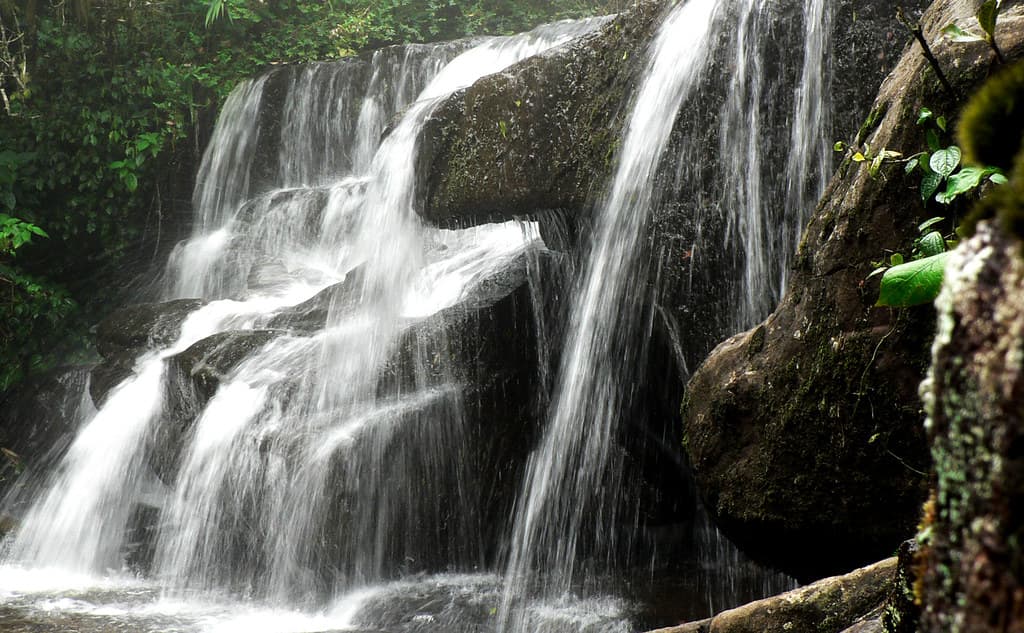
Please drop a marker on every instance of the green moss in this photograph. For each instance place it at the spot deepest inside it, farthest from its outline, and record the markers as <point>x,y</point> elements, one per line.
<point>874,118</point>
<point>992,133</point>
<point>992,124</point>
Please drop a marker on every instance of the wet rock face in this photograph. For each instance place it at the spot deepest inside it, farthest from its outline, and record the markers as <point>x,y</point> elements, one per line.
<point>974,567</point>
<point>130,331</point>
<point>805,432</point>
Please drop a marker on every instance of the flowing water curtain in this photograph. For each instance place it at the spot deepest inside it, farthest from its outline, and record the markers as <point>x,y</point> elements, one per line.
<point>571,494</point>
<point>337,518</point>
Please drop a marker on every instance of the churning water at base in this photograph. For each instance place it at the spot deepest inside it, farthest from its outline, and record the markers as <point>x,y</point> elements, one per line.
<point>330,480</point>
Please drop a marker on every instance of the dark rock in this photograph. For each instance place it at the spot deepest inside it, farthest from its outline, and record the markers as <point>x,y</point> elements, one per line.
<point>490,350</point>
<point>192,378</point>
<point>311,315</point>
<point>805,433</point>
<point>972,559</point>
<point>37,421</point>
<point>845,604</point>
<point>128,332</point>
<point>142,327</point>
<point>902,611</point>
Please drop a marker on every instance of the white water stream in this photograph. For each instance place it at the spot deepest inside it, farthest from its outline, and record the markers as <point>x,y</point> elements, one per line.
<point>311,493</point>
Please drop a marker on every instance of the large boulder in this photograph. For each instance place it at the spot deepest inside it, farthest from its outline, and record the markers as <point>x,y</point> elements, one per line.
<point>541,138</point>
<point>805,432</point>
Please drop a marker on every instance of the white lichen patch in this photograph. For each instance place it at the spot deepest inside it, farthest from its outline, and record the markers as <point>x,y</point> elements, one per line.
<point>962,270</point>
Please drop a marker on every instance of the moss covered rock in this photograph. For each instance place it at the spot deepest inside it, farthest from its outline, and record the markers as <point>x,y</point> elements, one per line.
<point>974,575</point>
<point>971,561</point>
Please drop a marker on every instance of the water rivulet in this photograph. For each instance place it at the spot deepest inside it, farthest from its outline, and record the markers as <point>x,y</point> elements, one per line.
<point>344,419</point>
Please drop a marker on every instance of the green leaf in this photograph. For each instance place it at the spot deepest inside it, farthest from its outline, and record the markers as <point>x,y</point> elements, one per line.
<point>839,146</point>
<point>858,158</point>
<point>924,116</point>
<point>929,185</point>
<point>965,180</point>
<point>998,178</point>
<point>913,283</point>
<point>933,140</point>
<point>945,161</point>
<point>876,164</point>
<point>957,34</point>
<point>941,122</point>
<point>911,165</point>
<point>131,181</point>
<point>929,223</point>
<point>987,15</point>
<point>895,259</point>
<point>931,244</point>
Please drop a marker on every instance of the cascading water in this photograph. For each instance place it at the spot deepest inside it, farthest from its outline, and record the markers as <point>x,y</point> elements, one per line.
<point>571,491</point>
<point>568,506</point>
<point>253,506</point>
<point>332,480</point>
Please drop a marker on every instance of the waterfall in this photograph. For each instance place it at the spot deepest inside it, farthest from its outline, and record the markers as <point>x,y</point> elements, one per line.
<point>570,491</point>
<point>294,491</point>
<point>334,476</point>
<point>568,504</point>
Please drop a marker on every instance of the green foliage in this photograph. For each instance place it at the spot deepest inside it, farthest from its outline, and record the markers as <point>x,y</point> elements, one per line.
<point>913,283</point>
<point>918,281</point>
<point>943,166</point>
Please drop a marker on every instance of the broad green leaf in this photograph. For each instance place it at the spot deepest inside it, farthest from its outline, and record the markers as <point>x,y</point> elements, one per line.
<point>931,244</point>
<point>987,15</point>
<point>924,115</point>
<point>965,180</point>
<point>941,122</point>
<point>998,178</point>
<point>911,165</point>
<point>929,185</point>
<point>913,283</point>
<point>131,181</point>
<point>929,223</point>
<point>859,158</point>
<point>945,161</point>
<point>895,259</point>
<point>957,34</point>
<point>933,140</point>
<point>839,146</point>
